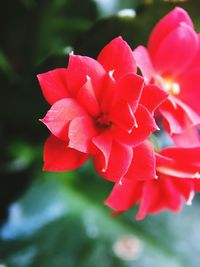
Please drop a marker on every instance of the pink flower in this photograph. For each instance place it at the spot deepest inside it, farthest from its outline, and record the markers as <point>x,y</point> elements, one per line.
<point>96,111</point>
<point>177,172</point>
<point>171,61</point>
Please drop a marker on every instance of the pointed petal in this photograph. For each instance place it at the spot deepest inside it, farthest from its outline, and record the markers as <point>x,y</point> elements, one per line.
<point>167,24</point>
<point>58,157</point>
<point>179,116</point>
<point>79,68</point>
<point>143,62</point>
<point>124,194</point>
<point>122,116</point>
<point>81,131</point>
<point>61,113</point>
<point>54,85</point>
<point>172,55</point>
<point>143,165</point>
<point>128,90</point>
<point>87,98</point>
<point>145,126</point>
<point>119,153</point>
<point>152,97</point>
<point>117,56</point>
<point>103,143</point>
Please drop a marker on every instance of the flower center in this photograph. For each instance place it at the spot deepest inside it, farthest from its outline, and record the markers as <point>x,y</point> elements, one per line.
<point>102,121</point>
<point>168,85</point>
<point>171,87</point>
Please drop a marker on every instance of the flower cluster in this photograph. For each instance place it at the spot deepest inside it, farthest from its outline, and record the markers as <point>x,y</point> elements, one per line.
<point>102,109</point>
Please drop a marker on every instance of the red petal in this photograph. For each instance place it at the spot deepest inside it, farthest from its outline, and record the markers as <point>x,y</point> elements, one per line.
<point>189,82</point>
<point>58,157</point>
<point>186,162</point>
<point>61,113</point>
<point>178,115</point>
<point>81,131</point>
<point>143,164</point>
<point>188,138</point>
<point>119,154</point>
<point>79,68</point>
<point>152,97</point>
<point>124,194</point>
<point>172,55</point>
<point>167,24</point>
<point>122,115</point>
<point>117,56</point>
<point>87,98</point>
<point>145,126</point>
<point>144,63</point>
<point>128,90</point>
<point>54,85</point>
<point>103,143</point>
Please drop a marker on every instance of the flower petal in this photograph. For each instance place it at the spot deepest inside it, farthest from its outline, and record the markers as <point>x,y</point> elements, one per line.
<point>117,56</point>
<point>145,126</point>
<point>81,131</point>
<point>124,194</point>
<point>128,90</point>
<point>189,82</point>
<point>58,157</point>
<point>172,55</point>
<point>54,85</point>
<point>81,67</point>
<point>119,153</point>
<point>144,63</point>
<point>103,143</point>
<point>152,97</point>
<point>167,24</point>
<point>122,116</point>
<point>143,165</point>
<point>87,98</point>
<point>61,113</point>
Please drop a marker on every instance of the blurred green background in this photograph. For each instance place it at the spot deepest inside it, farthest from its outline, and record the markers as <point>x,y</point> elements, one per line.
<point>59,220</point>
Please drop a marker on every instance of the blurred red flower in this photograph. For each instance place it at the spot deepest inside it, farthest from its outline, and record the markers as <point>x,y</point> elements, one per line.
<point>171,60</point>
<point>177,172</point>
<point>96,110</point>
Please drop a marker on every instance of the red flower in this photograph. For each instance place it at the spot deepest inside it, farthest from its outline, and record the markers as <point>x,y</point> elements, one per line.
<point>177,172</point>
<point>172,61</point>
<point>96,111</point>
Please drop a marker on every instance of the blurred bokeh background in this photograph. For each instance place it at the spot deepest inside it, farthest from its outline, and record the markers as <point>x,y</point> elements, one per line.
<point>58,219</point>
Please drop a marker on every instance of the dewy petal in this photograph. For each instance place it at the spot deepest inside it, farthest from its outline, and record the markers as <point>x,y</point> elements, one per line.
<point>143,62</point>
<point>103,144</point>
<point>145,126</point>
<point>119,154</point>
<point>58,157</point>
<point>152,97</point>
<point>54,85</point>
<point>124,194</point>
<point>128,90</point>
<point>117,56</point>
<point>61,113</point>
<point>167,24</point>
<point>81,67</point>
<point>172,55</point>
<point>143,165</point>
<point>87,98</point>
<point>81,131</point>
